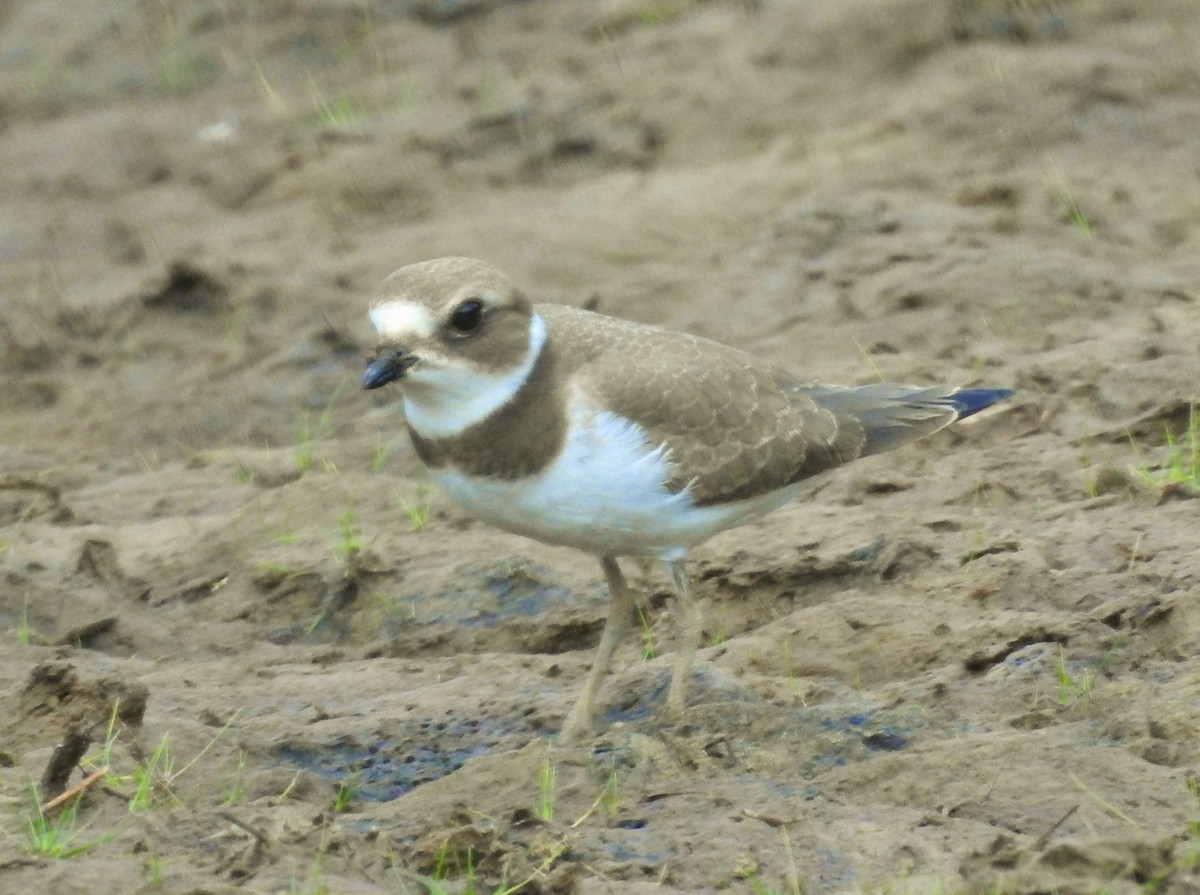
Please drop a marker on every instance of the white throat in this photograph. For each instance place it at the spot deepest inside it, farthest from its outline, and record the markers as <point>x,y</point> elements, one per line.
<point>446,402</point>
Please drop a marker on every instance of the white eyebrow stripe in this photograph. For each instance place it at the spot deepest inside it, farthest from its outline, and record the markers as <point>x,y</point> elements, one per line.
<point>399,318</point>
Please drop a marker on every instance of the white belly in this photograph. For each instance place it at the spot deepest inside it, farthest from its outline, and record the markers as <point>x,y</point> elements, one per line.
<point>604,494</point>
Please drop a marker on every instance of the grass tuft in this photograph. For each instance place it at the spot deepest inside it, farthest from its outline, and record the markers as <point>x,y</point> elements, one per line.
<point>310,434</point>
<point>153,778</point>
<point>1182,463</point>
<point>58,835</point>
<point>346,795</point>
<point>235,790</point>
<point>349,542</point>
<point>383,451</point>
<point>649,645</point>
<point>418,511</point>
<point>25,634</point>
<point>1071,689</point>
<point>1074,213</point>
<point>793,873</point>
<point>545,808</point>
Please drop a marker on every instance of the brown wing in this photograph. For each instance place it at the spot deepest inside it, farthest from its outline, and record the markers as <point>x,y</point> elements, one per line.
<point>735,427</point>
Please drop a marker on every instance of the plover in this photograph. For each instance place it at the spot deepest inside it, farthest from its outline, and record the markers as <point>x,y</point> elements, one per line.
<point>616,438</point>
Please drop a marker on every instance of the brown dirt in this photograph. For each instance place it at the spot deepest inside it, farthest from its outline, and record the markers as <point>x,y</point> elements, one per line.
<point>968,666</point>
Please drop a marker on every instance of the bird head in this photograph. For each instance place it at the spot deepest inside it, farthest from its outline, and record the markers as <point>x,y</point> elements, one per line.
<point>458,338</point>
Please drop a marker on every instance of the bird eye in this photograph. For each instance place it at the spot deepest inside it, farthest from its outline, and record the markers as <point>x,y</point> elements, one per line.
<point>466,316</point>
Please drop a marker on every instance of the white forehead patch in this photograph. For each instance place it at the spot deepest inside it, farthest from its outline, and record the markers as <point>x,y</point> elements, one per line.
<point>399,319</point>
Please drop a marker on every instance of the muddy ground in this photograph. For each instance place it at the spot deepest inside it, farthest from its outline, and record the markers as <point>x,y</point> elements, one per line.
<point>967,666</point>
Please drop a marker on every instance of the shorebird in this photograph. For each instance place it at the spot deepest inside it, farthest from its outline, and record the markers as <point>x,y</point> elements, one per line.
<point>616,438</point>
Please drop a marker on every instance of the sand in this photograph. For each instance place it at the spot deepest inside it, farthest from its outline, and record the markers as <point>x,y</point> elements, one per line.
<point>969,666</point>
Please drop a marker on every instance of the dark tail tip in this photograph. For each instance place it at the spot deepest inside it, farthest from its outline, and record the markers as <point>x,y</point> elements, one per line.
<point>972,400</point>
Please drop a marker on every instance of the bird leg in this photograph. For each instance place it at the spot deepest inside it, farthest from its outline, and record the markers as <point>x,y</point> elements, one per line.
<point>691,627</point>
<point>620,618</point>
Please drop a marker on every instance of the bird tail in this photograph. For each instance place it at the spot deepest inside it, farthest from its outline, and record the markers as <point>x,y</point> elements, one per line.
<point>969,401</point>
<point>892,415</point>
